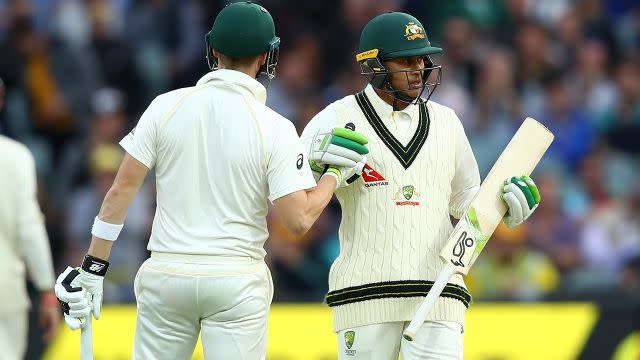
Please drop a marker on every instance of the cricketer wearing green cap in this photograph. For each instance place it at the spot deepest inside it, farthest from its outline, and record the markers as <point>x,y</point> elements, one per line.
<point>220,156</point>
<point>396,215</point>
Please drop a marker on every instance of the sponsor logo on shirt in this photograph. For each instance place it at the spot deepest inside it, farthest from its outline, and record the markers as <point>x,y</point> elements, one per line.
<point>407,195</point>
<point>372,177</point>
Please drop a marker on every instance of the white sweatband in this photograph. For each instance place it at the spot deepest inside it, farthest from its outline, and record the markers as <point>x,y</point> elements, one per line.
<point>104,230</point>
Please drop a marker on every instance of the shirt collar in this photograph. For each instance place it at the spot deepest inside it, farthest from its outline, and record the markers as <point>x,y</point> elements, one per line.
<point>384,110</point>
<point>241,79</point>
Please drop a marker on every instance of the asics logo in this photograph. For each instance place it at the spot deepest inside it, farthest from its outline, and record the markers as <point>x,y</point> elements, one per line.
<point>96,267</point>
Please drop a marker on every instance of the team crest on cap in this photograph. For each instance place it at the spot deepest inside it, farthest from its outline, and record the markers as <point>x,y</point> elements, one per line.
<point>413,31</point>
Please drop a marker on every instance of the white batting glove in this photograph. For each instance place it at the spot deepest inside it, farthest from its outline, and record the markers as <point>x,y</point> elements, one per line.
<point>80,290</point>
<point>522,197</point>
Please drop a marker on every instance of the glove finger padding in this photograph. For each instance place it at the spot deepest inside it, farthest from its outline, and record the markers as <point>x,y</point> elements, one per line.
<point>344,152</point>
<point>340,142</point>
<point>351,135</point>
<point>74,323</point>
<point>350,144</point>
<point>336,157</point>
<point>96,301</point>
<point>514,215</point>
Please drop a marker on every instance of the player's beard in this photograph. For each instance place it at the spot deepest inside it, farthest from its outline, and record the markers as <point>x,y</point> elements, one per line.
<point>408,89</point>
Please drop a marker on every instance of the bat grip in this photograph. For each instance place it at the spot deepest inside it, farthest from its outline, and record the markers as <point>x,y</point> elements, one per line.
<point>425,308</point>
<point>86,341</point>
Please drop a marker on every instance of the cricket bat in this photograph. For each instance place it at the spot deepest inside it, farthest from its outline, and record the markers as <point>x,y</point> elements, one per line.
<point>487,209</point>
<point>86,341</point>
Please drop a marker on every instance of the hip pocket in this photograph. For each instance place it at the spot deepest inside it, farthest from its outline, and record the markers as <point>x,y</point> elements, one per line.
<point>136,281</point>
<point>269,284</point>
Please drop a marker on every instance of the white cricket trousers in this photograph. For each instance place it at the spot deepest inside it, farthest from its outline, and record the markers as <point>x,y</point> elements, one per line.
<point>435,340</point>
<point>224,299</point>
<point>13,335</point>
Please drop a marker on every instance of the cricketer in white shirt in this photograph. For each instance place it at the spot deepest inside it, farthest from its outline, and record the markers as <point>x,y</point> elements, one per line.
<point>220,156</point>
<point>24,248</point>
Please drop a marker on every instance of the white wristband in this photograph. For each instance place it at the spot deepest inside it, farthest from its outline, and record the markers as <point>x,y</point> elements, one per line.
<point>104,230</point>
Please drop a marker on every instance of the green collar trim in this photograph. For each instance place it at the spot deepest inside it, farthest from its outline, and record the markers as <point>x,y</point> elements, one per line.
<point>405,154</point>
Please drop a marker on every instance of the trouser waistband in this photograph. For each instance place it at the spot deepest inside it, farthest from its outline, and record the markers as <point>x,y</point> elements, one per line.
<point>203,259</point>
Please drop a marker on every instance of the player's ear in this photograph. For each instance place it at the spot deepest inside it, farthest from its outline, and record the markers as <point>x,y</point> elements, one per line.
<point>262,59</point>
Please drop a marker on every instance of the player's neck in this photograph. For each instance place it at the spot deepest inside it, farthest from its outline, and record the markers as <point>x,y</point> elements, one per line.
<point>397,105</point>
<point>249,70</point>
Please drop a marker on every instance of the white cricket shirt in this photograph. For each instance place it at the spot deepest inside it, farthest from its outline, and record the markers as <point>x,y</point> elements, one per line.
<point>219,154</point>
<point>24,244</point>
<point>395,217</point>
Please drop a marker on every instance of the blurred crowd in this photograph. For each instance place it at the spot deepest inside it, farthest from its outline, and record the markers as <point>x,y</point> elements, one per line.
<point>78,73</point>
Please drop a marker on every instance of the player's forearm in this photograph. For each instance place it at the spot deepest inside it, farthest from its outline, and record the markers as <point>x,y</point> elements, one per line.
<point>100,248</point>
<point>317,199</point>
<point>113,211</point>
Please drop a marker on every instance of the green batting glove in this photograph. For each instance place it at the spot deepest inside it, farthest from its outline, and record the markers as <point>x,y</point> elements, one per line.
<point>522,197</point>
<point>340,147</point>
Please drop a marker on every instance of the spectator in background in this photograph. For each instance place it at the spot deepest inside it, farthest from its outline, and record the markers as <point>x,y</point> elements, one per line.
<point>113,57</point>
<point>533,64</point>
<point>592,182</point>
<point>459,64</point>
<point>552,231</point>
<point>509,270</point>
<point>593,90</point>
<point>572,126</point>
<point>569,38</point>
<point>108,125</point>
<point>610,238</point>
<point>51,112</point>
<point>463,48</point>
<point>629,279</point>
<point>347,81</point>
<point>104,160</point>
<point>621,122</point>
<point>495,110</point>
<point>299,74</point>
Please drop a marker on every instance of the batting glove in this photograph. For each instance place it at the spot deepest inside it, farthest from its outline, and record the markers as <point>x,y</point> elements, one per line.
<point>346,175</point>
<point>522,197</point>
<point>79,291</point>
<point>339,147</point>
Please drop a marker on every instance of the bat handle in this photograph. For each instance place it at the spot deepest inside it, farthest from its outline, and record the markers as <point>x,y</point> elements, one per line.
<point>426,306</point>
<point>86,341</point>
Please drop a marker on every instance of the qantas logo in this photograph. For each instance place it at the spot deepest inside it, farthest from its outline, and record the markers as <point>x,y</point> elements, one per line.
<point>372,177</point>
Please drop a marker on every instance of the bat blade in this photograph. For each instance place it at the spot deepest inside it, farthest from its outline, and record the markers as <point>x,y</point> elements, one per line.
<point>487,209</point>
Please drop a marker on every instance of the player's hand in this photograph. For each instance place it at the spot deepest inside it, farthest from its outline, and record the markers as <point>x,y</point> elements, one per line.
<point>522,197</point>
<point>79,291</point>
<point>339,147</point>
<point>346,175</point>
<point>49,316</point>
